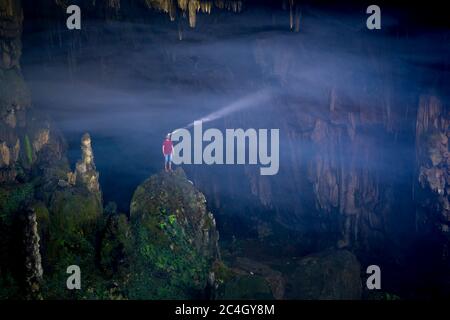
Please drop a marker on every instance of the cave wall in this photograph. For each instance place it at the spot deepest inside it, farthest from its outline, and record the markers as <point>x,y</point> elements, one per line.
<point>335,148</point>
<point>432,171</point>
<point>327,182</point>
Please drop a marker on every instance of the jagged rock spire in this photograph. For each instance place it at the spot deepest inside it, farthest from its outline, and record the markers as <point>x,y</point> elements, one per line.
<point>33,262</point>
<point>85,172</point>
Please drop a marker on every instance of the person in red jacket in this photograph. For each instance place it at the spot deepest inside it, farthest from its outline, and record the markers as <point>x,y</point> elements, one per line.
<point>167,149</point>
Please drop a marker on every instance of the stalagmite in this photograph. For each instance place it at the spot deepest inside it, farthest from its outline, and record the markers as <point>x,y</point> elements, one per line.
<point>33,264</point>
<point>86,173</point>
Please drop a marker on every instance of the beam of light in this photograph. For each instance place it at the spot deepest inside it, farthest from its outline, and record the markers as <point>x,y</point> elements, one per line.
<point>248,101</point>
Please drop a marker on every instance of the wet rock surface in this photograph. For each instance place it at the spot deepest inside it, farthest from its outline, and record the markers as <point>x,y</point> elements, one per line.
<point>176,235</point>
<point>245,266</point>
<point>329,275</point>
<point>432,186</point>
<point>33,261</point>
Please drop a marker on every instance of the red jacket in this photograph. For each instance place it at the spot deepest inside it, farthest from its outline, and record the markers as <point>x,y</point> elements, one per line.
<point>167,147</point>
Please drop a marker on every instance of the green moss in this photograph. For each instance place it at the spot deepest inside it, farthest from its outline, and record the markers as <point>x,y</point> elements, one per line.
<point>222,272</point>
<point>28,150</point>
<point>73,224</point>
<point>381,295</point>
<point>42,214</point>
<point>12,197</point>
<point>154,254</point>
<point>74,210</point>
<point>165,211</point>
<point>43,223</point>
<point>72,236</point>
<point>116,246</point>
<point>246,287</point>
<point>168,265</point>
<point>172,219</point>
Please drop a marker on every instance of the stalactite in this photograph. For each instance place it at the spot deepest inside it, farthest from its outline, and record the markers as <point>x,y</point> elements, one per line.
<point>206,6</point>
<point>6,8</point>
<point>187,7</point>
<point>297,18</point>
<point>63,4</point>
<point>219,4</point>
<point>183,4</point>
<point>194,7</point>
<point>235,6</point>
<point>294,16</point>
<point>114,4</point>
<point>180,32</point>
<point>291,14</point>
<point>172,10</point>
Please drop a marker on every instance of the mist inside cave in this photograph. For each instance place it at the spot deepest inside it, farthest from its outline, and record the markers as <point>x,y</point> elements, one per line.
<point>344,98</point>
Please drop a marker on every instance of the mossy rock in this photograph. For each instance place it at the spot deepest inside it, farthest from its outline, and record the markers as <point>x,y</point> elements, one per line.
<point>176,242</point>
<point>13,90</point>
<point>74,218</point>
<point>12,197</point>
<point>380,295</point>
<point>117,244</point>
<point>43,223</point>
<point>222,272</point>
<point>245,287</point>
<point>328,275</point>
<point>75,210</point>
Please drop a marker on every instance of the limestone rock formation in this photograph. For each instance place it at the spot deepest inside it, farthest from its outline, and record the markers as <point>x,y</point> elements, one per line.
<point>340,183</point>
<point>86,173</point>
<point>192,7</point>
<point>245,287</point>
<point>275,280</point>
<point>33,263</point>
<point>329,275</point>
<point>14,94</point>
<point>174,8</point>
<point>176,195</point>
<point>10,30</point>
<point>433,163</point>
<point>176,235</point>
<point>116,246</point>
